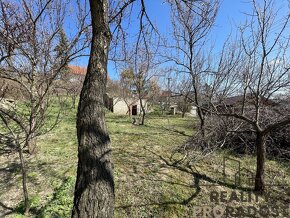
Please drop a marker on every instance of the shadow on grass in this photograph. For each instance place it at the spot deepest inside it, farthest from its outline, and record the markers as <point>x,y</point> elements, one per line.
<point>204,177</point>
<point>176,131</point>
<point>7,181</point>
<point>6,210</point>
<point>164,203</point>
<point>8,175</point>
<point>153,131</point>
<point>60,204</point>
<point>196,186</point>
<point>9,178</point>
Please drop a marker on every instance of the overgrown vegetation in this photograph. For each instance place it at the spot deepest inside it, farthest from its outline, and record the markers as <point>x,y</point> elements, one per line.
<point>150,182</point>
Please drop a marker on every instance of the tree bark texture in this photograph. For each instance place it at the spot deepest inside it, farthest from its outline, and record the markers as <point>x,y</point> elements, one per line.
<point>94,190</point>
<point>24,182</point>
<point>261,157</point>
<point>143,112</point>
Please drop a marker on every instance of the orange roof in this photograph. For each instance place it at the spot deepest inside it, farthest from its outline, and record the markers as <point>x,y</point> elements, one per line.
<point>78,70</point>
<point>165,94</point>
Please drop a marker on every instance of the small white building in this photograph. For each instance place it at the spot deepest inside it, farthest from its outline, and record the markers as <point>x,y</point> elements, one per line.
<point>130,106</point>
<point>126,107</point>
<point>192,111</point>
<point>174,110</point>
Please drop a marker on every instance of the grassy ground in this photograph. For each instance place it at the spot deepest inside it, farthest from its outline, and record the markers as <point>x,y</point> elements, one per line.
<point>148,183</point>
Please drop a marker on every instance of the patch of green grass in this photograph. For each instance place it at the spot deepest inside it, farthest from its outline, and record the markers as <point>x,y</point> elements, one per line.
<point>60,203</point>
<point>145,185</point>
<point>34,202</point>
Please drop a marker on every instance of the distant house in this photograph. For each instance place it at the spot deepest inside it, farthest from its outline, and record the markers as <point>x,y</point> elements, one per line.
<point>133,107</point>
<point>173,99</point>
<point>174,109</point>
<point>77,70</point>
<point>113,102</point>
<point>234,103</point>
<point>283,103</point>
<point>130,106</point>
<point>70,81</point>
<point>73,74</point>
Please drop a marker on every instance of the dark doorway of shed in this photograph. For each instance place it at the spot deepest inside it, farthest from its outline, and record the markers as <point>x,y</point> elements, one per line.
<point>134,110</point>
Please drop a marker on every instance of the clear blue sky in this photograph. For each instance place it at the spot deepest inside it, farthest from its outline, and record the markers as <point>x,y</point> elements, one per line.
<point>230,15</point>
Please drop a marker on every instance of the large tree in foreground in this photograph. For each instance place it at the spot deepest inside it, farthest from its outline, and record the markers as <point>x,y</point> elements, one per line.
<point>94,191</point>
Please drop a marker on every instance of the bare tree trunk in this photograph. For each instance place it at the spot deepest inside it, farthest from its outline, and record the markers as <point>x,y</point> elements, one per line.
<point>129,110</point>
<point>143,112</point>
<point>94,190</point>
<point>200,114</point>
<point>34,100</point>
<point>24,181</point>
<point>183,113</point>
<point>261,157</point>
<point>244,101</point>
<point>31,141</point>
<point>202,121</point>
<point>185,108</point>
